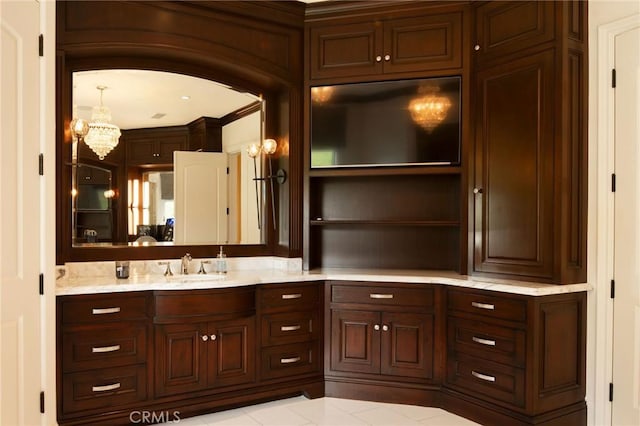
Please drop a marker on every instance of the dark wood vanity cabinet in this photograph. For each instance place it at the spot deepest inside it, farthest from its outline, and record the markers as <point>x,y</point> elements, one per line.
<point>381,333</point>
<point>524,355</point>
<point>529,182</point>
<point>103,345</point>
<point>290,330</point>
<point>372,46</point>
<point>204,340</point>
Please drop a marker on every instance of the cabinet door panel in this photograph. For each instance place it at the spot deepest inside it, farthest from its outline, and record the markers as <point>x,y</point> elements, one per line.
<point>231,352</point>
<point>503,28</point>
<point>514,142</point>
<point>169,144</point>
<point>407,345</point>
<point>180,358</point>
<point>425,43</point>
<point>355,345</point>
<point>346,50</point>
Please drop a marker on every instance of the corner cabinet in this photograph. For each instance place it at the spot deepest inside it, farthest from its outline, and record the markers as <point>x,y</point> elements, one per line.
<point>529,183</point>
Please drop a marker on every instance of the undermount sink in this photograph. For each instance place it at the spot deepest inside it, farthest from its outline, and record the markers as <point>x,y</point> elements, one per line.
<point>194,278</point>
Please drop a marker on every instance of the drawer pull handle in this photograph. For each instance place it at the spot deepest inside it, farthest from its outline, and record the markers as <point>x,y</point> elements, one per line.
<point>290,327</point>
<point>380,296</point>
<point>106,388</point>
<point>484,377</point>
<point>487,306</point>
<point>102,311</point>
<point>482,341</point>
<point>103,349</point>
<point>289,360</point>
<point>291,296</point>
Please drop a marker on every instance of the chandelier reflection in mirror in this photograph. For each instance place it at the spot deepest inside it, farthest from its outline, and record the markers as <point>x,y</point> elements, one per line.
<point>321,94</point>
<point>430,108</point>
<point>268,147</point>
<point>102,135</point>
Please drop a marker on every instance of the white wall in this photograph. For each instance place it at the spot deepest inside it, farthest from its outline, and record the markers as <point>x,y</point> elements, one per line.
<point>601,12</point>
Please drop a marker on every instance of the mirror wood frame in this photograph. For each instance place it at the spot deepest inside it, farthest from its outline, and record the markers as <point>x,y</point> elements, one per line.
<point>87,46</point>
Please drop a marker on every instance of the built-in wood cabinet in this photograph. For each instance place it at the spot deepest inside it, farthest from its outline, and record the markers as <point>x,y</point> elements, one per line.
<point>529,182</point>
<point>154,146</point>
<point>103,343</point>
<point>523,354</point>
<point>386,332</point>
<point>377,46</point>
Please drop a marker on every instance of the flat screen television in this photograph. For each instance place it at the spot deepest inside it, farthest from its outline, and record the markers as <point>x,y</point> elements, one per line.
<point>391,123</point>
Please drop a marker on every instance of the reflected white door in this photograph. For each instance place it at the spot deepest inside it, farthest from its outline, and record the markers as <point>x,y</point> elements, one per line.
<point>200,194</point>
<point>626,329</point>
<point>20,347</point>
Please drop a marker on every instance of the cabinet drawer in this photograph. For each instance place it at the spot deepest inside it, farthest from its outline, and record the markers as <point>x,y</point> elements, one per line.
<point>491,342</point>
<point>487,380</point>
<point>102,308</point>
<point>104,347</point>
<point>195,305</point>
<point>382,296</point>
<point>289,327</point>
<point>291,297</point>
<point>289,360</point>
<point>104,388</point>
<point>488,305</point>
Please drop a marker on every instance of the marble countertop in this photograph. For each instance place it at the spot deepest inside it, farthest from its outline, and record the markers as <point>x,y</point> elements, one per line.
<point>110,284</point>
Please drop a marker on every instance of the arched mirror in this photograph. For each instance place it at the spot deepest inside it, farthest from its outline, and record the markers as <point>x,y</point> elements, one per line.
<point>177,174</point>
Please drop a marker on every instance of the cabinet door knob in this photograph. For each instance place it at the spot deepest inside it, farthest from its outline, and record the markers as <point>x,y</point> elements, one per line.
<point>387,57</point>
<point>214,337</point>
<point>385,328</point>
<point>477,190</point>
<point>476,47</point>
<point>376,327</point>
<point>205,338</point>
<point>378,58</point>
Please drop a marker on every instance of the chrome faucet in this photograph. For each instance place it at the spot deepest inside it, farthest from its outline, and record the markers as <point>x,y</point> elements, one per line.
<point>184,264</point>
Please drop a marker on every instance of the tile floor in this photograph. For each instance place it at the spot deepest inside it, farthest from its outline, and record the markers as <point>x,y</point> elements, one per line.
<point>300,411</point>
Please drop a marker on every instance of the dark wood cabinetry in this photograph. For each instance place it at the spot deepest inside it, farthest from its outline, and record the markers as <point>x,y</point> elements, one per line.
<point>524,354</point>
<point>372,46</point>
<point>154,146</point>
<point>103,341</point>
<point>381,332</point>
<point>291,330</point>
<point>192,354</point>
<point>530,149</point>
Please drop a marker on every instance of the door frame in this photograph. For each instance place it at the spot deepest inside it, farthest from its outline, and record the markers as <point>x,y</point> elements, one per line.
<point>602,235</point>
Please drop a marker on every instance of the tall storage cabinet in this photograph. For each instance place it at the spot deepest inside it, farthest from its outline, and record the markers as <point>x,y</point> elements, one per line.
<point>529,182</point>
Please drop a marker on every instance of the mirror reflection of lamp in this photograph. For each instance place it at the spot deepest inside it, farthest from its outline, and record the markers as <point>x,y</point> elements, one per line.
<point>321,94</point>
<point>267,147</point>
<point>430,108</point>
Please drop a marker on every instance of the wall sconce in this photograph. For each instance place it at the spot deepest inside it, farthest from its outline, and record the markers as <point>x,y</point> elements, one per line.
<point>79,128</point>
<point>267,147</point>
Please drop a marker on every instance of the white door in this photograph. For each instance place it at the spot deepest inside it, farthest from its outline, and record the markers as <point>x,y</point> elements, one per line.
<point>200,194</point>
<point>626,317</point>
<point>20,347</point>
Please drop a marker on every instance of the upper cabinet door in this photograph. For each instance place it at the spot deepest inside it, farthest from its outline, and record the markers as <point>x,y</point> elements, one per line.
<point>346,50</point>
<point>425,43</point>
<point>504,28</point>
<point>515,167</point>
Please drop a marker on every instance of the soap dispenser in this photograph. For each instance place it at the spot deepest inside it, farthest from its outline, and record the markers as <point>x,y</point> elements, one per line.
<point>221,262</point>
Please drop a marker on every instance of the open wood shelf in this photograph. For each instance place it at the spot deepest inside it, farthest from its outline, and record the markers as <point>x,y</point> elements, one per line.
<point>388,222</point>
<point>387,171</point>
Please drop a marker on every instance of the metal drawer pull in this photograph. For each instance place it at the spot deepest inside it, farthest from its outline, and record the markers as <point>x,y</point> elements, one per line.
<point>102,311</point>
<point>487,306</point>
<point>483,341</point>
<point>290,327</point>
<point>103,349</point>
<point>289,360</point>
<point>484,377</point>
<point>291,296</point>
<point>380,296</point>
<point>106,388</point>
